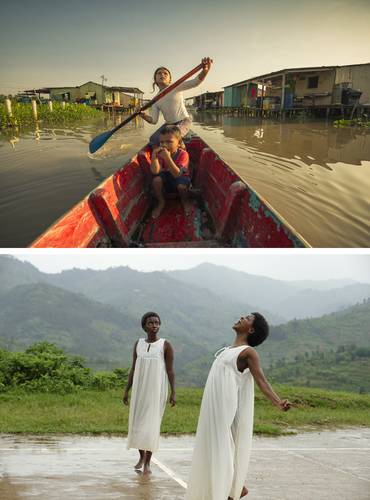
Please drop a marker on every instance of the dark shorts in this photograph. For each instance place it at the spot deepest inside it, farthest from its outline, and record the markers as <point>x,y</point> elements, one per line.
<point>170,182</point>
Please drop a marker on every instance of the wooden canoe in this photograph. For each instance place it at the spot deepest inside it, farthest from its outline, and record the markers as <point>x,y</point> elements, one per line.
<point>225,211</point>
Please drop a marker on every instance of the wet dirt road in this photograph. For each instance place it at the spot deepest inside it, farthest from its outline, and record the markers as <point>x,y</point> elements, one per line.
<point>320,466</point>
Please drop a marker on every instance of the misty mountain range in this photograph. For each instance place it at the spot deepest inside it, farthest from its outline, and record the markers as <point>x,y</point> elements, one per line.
<point>121,286</point>
<point>97,314</point>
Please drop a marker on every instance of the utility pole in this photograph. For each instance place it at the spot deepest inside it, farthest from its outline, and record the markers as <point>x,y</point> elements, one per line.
<point>103,79</point>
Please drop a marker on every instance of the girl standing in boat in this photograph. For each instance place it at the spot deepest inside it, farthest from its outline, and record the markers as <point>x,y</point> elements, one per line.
<point>152,364</point>
<point>224,434</point>
<point>172,105</point>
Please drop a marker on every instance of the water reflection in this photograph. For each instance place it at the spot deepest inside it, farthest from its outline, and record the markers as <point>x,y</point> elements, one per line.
<point>46,170</point>
<point>97,175</point>
<point>311,142</point>
<point>315,175</point>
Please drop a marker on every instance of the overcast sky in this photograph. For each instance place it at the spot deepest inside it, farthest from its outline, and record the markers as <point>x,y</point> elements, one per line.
<point>280,266</point>
<point>45,43</point>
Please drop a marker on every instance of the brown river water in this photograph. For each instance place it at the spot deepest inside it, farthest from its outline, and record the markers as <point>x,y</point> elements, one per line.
<point>315,175</point>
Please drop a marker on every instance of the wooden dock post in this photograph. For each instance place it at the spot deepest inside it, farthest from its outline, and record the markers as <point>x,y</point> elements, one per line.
<point>34,109</point>
<point>8,107</point>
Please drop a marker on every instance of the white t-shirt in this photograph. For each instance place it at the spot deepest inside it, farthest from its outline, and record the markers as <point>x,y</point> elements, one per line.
<point>172,105</point>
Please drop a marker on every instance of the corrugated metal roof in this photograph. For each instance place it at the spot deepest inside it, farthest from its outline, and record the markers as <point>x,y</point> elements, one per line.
<point>309,68</point>
<point>129,90</point>
<point>46,90</point>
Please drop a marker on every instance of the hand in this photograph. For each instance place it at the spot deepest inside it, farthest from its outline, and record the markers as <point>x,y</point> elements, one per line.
<point>206,62</point>
<point>156,150</point>
<point>173,399</point>
<point>145,117</point>
<point>164,153</point>
<point>125,399</point>
<point>285,405</point>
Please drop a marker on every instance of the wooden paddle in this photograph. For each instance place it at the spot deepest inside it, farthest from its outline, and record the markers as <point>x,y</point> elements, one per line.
<point>101,139</point>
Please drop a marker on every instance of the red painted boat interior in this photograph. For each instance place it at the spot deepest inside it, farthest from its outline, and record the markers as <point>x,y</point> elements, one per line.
<point>224,211</point>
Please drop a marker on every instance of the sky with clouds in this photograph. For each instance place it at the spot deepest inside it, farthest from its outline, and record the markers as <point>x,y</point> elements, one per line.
<point>43,43</point>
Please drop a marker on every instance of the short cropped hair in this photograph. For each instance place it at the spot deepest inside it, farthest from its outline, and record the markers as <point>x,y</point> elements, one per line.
<point>149,315</point>
<point>260,330</point>
<point>173,130</point>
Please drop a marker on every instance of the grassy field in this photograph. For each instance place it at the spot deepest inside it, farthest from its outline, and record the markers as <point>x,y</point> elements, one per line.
<point>22,114</point>
<point>98,412</point>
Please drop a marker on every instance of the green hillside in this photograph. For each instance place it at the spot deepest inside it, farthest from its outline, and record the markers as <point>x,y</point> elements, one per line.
<point>40,312</point>
<point>105,335</point>
<point>346,369</point>
<point>96,314</point>
<point>351,326</point>
<point>13,272</point>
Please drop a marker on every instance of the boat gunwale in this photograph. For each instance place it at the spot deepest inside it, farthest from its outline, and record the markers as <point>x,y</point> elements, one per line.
<point>294,234</point>
<point>284,222</point>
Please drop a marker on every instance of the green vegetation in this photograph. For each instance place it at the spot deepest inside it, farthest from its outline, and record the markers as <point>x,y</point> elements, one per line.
<point>44,367</point>
<point>22,114</point>
<point>102,411</point>
<point>345,369</point>
<point>104,308</point>
<point>43,390</point>
<point>286,342</point>
<point>356,122</point>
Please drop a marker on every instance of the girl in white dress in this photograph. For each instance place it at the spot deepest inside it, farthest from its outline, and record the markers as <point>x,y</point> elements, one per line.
<point>224,434</point>
<point>152,364</point>
<point>172,106</point>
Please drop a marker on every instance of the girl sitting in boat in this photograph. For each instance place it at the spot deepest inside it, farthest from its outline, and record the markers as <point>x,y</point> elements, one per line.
<point>170,167</point>
<point>224,434</point>
<point>152,364</point>
<point>172,105</point>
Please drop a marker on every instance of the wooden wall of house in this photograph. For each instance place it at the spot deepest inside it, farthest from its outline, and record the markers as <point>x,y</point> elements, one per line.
<point>358,78</point>
<point>125,99</point>
<point>232,97</point>
<point>243,94</point>
<point>325,84</point>
<point>228,97</point>
<point>56,94</point>
<point>92,87</point>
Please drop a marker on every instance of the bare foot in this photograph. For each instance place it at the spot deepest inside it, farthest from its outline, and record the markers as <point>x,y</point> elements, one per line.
<point>187,206</point>
<point>243,494</point>
<point>158,209</point>
<point>139,464</point>
<point>146,470</point>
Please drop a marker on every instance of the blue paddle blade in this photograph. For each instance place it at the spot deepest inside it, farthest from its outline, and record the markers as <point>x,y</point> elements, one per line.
<point>99,140</point>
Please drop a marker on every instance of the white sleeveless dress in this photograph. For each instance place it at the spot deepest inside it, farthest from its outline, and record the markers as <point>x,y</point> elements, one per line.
<point>148,396</point>
<point>224,435</point>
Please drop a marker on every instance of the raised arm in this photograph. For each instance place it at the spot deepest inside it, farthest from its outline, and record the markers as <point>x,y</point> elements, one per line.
<point>131,376</point>
<point>252,361</point>
<point>171,165</point>
<point>190,84</point>
<point>168,358</point>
